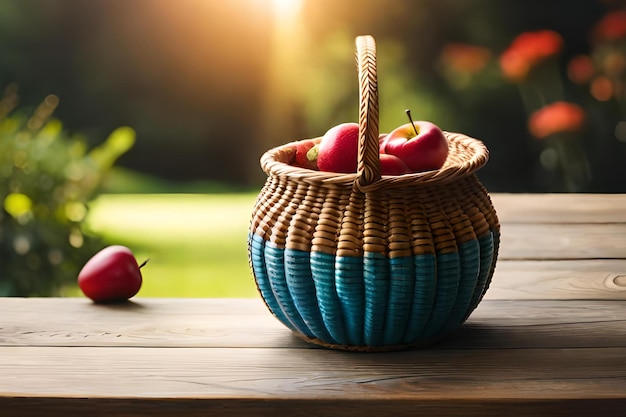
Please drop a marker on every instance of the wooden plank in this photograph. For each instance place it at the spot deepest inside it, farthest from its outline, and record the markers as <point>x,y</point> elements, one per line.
<point>563,241</point>
<point>142,322</point>
<point>271,374</point>
<point>243,323</point>
<point>545,357</point>
<point>228,407</point>
<point>560,208</point>
<point>596,279</point>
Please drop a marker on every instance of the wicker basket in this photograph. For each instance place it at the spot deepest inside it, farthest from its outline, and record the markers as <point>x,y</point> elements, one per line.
<point>368,262</point>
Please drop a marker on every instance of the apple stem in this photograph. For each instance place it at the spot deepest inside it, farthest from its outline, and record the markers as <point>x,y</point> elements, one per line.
<point>144,263</point>
<point>408,113</point>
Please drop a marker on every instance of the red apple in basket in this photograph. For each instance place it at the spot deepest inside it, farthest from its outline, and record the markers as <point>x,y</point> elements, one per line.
<point>381,142</point>
<point>306,154</point>
<point>338,150</point>
<point>392,165</point>
<point>111,275</point>
<point>421,145</point>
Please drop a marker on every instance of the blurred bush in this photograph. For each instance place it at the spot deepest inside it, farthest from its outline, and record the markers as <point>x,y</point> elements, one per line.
<point>46,179</point>
<point>574,100</point>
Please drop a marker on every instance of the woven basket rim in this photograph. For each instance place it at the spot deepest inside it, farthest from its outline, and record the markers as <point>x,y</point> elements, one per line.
<point>459,164</point>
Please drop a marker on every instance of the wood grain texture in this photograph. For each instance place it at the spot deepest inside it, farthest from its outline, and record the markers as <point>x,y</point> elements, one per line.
<point>159,357</point>
<point>560,208</point>
<point>563,241</point>
<point>237,407</point>
<point>246,323</point>
<point>561,246</point>
<point>588,279</point>
<point>253,373</point>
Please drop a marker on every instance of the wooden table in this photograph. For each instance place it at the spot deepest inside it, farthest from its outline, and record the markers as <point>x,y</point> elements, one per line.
<point>548,340</point>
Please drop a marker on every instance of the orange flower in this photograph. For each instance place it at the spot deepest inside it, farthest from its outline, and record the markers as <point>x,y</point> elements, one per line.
<point>556,118</point>
<point>602,88</point>
<point>611,27</point>
<point>580,69</point>
<point>465,58</point>
<point>527,50</point>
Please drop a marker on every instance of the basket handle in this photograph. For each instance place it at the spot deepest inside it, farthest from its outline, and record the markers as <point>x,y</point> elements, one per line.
<point>368,168</point>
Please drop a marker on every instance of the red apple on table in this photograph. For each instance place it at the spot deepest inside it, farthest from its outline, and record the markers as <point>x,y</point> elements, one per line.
<point>111,275</point>
<point>338,150</point>
<point>421,145</point>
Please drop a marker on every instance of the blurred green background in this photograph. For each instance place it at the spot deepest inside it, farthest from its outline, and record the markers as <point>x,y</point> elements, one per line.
<point>206,86</point>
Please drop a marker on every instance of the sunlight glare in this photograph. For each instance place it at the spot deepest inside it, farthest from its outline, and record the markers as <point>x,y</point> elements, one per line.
<point>286,10</point>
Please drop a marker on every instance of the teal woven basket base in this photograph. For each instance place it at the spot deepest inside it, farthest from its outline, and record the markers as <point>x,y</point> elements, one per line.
<point>256,248</point>
<point>372,300</point>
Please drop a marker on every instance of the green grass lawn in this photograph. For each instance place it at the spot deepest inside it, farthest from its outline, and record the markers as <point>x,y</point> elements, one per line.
<point>196,243</point>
